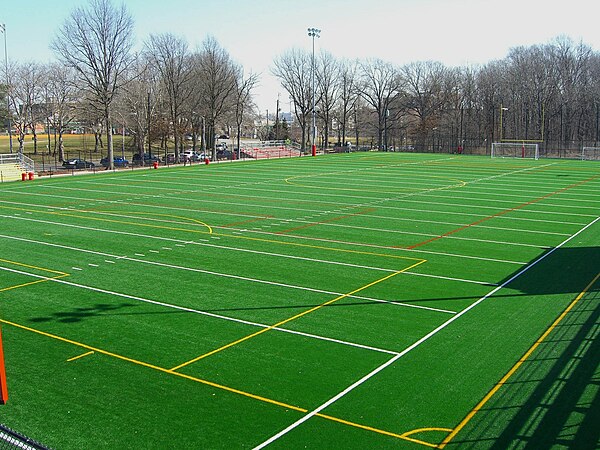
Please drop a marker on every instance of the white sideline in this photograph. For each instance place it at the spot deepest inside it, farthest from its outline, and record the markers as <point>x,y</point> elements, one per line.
<point>416,344</point>
<point>196,311</point>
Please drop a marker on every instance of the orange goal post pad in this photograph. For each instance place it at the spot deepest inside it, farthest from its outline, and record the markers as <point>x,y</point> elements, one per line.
<point>3,387</point>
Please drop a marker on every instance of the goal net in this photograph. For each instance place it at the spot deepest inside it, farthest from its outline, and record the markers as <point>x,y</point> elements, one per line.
<point>515,150</point>
<point>590,153</point>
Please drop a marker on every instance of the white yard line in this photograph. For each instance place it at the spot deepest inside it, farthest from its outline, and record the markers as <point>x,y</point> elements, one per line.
<point>224,275</point>
<point>196,311</point>
<point>415,345</point>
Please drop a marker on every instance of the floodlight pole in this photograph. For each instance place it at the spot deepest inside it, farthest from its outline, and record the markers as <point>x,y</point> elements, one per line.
<point>501,110</point>
<point>10,143</point>
<point>314,32</point>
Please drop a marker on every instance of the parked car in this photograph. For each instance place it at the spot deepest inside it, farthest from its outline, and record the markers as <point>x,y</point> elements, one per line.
<point>224,154</point>
<point>170,158</point>
<point>118,161</point>
<point>189,155</point>
<point>147,159</point>
<point>76,163</point>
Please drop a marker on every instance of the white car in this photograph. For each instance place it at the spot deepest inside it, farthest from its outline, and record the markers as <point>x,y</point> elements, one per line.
<point>189,155</point>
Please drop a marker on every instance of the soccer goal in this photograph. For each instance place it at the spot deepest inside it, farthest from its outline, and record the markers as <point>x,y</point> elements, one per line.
<point>515,150</point>
<point>590,153</point>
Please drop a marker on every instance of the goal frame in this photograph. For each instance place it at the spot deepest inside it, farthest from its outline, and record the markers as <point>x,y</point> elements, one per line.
<point>519,147</point>
<point>595,150</point>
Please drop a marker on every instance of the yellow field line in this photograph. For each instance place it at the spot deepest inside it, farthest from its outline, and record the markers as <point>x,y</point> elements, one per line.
<point>271,241</point>
<point>404,436</point>
<point>25,284</point>
<point>33,267</point>
<point>74,358</point>
<point>297,316</point>
<point>152,366</point>
<point>511,372</point>
<point>210,230</point>
<point>60,275</point>
<point>459,183</point>
<point>320,247</point>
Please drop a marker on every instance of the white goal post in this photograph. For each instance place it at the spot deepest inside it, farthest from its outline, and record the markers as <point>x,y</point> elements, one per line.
<point>515,150</point>
<point>590,153</point>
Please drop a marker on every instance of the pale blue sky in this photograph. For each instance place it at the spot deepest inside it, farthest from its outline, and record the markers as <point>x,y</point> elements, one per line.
<point>455,32</point>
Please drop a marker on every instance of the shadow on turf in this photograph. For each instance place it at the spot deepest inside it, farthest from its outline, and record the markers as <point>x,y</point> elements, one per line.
<point>566,270</point>
<point>554,399</point>
<point>79,314</point>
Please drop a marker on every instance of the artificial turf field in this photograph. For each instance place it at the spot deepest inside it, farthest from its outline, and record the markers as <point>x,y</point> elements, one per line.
<point>365,300</point>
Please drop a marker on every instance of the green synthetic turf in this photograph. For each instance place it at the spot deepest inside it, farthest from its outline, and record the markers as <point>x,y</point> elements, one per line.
<point>181,280</point>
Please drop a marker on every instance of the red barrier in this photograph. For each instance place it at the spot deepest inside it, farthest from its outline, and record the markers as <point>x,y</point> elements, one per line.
<point>3,387</point>
<point>23,176</point>
<point>30,175</point>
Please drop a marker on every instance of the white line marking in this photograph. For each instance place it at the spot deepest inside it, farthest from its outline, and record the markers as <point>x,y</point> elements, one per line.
<point>224,275</point>
<point>416,344</point>
<point>200,312</point>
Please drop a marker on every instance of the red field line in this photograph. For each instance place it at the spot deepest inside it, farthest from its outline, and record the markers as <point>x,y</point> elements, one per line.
<point>332,219</point>
<point>243,222</point>
<point>501,213</point>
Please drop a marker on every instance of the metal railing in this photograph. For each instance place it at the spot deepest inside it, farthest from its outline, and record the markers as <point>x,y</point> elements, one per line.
<point>18,158</point>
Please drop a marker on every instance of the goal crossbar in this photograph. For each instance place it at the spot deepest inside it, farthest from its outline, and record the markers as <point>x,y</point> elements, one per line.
<point>590,153</point>
<point>515,149</point>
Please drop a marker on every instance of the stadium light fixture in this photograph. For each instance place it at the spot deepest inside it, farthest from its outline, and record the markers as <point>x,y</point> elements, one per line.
<point>313,33</point>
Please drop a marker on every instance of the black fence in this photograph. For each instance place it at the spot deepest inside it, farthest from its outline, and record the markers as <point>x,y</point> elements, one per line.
<point>11,440</point>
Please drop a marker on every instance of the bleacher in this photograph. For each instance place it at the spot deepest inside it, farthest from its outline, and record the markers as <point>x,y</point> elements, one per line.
<point>271,149</point>
<point>13,166</point>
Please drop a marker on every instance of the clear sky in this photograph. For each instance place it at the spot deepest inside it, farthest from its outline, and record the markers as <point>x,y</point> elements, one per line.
<point>455,32</point>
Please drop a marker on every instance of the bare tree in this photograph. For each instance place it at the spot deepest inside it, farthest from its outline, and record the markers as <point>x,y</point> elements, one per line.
<point>243,102</point>
<point>348,95</point>
<point>96,41</point>
<point>381,84</point>
<point>60,92</point>
<point>25,99</point>
<point>293,69</point>
<point>427,93</point>
<point>217,77</point>
<point>171,57</point>
<point>328,79</point>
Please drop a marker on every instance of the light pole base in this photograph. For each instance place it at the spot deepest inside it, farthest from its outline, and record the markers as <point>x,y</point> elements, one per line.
<point>314,150</point>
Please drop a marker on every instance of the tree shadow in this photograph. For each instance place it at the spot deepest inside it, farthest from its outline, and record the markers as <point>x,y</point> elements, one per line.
<point>564,270</point>
<point>555,401</point>
<point>79,314</point>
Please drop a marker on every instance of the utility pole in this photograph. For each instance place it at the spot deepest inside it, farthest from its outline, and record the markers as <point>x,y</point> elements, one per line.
<point>313,33</point>
<point>277,119</point>
<point>10,143</point>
